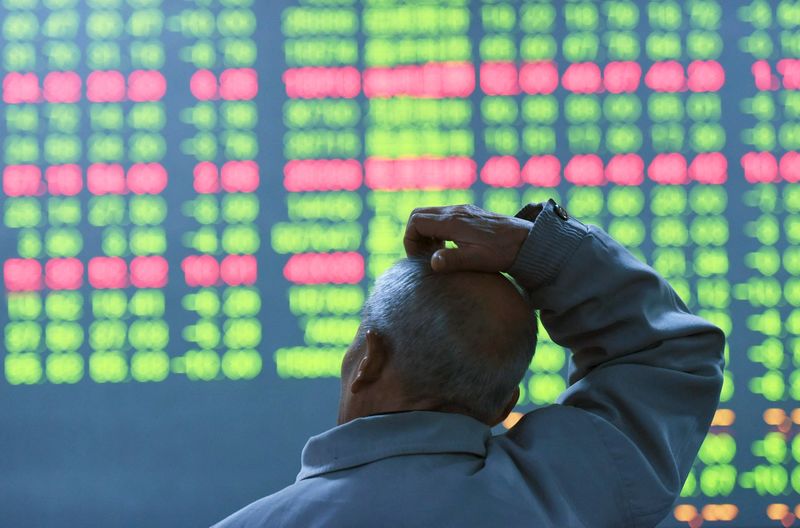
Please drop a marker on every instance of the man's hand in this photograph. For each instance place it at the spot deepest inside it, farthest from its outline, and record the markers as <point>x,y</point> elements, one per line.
<point>486,241</point>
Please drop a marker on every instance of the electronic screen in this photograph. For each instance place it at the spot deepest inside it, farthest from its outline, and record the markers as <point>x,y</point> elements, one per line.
<point>197,195</point>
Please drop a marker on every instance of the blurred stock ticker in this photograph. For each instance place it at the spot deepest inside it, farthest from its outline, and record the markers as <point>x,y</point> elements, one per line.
<point>197,194</point>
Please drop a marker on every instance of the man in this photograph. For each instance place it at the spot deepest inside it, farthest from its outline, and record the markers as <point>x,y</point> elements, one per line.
<point>437,361</point>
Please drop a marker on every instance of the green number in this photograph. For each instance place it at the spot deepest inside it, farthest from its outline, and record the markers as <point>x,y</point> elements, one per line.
<point>148,55</point>
<point>664,15</point>
<point>580,47</point>
<point>63,242</point>
<point>670,262</point>
<point>24,305</point>
<point>665,107</point>
<point>23,369</point>
<point>708,199</point>
<point>147,116</point>
<point>308,362</point>
<point>64,367</point>
<point>585,201</point>
<point>62,336</point>
<point>64,305</point>
<point>538,47</point>
<point>625,201</point>
<point>240,207</point>
<point>622,45</point>
<point>499,110</point>
<point>581,108</point>
<point>104,25</point>
<point>499,17</point>
<point>63,211</point>
<point>703,45</point>
<point>107,334</point>
<point>150,334</point>
<point>765,229</point>
<point>501,140</point>
<point>205,333</point>
<point>20,26</point>
<point>240,239</point>
<point>147,303</point>
<point>707,137</point>
<point>205,302</point>
<point>23,337</point>
<point>537,17</point>
<point>497,48</point>
<point>147,210</point>
<point>22,212</point>
<point>108,367</point>
<point>663,46</point>
<point>241,364</point>
<point>709,230</point>
<point>109,304</point>
<point>242,333</point>
<point>667,137</point>
<point>314,300</point>
<point>63,118</point>
<point>584,139</point>
<point>581,16</point>
<point>669,231</point>
<point>149,366</point>
<point>241,302</point>
<point>103,55</point>
<point>622,15</point>
<point>629,232</point>
<point>623,138</point>
<point>19,56</point>
<point>622,107</point>
<point>239,114</point>
<point>540,109</point>
<point>145,23</point>
<point>202,365</point>
<point>22,118</point>
<point>106,210</point>
<point>148,241</point>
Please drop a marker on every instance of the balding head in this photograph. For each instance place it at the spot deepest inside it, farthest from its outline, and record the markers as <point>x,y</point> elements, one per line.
<point>459,341</point>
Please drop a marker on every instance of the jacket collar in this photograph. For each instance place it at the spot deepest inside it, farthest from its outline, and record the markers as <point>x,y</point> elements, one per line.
<point>372,438</point>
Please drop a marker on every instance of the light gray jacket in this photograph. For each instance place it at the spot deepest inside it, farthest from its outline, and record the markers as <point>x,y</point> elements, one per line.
<point>645,380</point>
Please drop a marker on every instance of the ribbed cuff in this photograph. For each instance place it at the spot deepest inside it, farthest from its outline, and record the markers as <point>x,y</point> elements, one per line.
<point>551,241</point>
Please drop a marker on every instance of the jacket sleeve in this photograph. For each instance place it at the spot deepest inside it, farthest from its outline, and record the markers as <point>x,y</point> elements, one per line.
<point>645,373</point>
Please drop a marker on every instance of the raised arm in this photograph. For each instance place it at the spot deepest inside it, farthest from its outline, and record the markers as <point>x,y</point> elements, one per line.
<point>645,374</point>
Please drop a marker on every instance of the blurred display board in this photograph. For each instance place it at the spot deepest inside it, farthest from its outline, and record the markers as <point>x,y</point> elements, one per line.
<point>196,196</point>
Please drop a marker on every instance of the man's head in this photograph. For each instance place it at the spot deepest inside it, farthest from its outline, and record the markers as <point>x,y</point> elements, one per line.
<point>457,342</point>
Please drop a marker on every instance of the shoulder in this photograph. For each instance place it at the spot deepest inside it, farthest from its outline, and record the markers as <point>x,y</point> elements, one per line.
<point>564,456</point>
<point>264,512</point>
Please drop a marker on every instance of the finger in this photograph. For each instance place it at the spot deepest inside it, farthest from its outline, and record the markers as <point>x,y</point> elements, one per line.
<point>428,226</point>
<point>425,232</point>
<point>429,210</point>
<point>443,209</point>
<point>422,246</point>
<point>459,259</point>
<point>445,226</point>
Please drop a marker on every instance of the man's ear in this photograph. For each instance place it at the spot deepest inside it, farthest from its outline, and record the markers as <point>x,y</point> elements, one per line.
<point>508,408</point>
<point>372,364</point>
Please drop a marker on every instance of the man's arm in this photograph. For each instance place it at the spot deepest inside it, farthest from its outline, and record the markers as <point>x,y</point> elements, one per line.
<point>642,363</point>
<point>645,374</point>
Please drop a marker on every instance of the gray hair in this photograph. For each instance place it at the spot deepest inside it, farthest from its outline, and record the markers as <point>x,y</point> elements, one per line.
<point>444,341</point>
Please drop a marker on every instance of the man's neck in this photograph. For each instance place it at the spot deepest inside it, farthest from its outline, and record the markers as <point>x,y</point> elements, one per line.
<point>421,406</point>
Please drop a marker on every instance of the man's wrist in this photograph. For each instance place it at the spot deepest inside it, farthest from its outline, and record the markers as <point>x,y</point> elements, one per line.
<point>519,231</point>
<point>553,237</point>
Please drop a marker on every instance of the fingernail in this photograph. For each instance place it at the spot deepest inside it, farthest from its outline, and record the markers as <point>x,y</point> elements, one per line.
<point>438,260</point>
